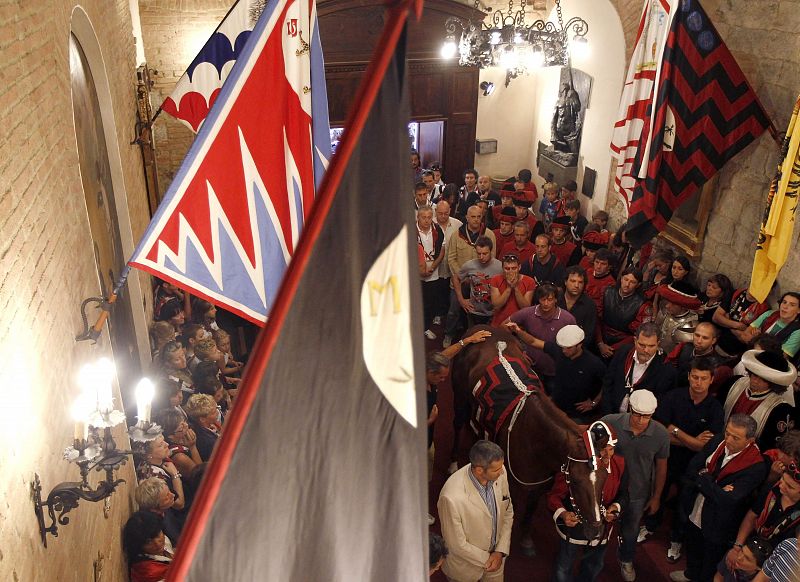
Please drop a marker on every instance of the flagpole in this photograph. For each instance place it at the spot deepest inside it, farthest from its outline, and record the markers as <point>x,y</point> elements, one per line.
<point>357,116</point>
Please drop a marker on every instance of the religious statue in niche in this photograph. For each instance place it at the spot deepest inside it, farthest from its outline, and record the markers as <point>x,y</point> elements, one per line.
<point>565,127</point>
<point>567,122</point>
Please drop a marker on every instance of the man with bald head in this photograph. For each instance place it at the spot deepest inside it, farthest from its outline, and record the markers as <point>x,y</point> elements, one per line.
<point>704,340</point>
<point>484,192</point>
<point>460,249</point>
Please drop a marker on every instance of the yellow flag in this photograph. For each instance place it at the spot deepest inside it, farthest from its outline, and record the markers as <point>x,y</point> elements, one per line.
<point>777,226</point>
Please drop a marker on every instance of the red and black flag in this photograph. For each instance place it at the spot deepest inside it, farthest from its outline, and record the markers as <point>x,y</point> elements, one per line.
<point>321,473</point>
<point>705,113</point>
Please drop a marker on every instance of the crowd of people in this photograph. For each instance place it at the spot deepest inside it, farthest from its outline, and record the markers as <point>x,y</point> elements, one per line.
<point>688,385</point>
<point>689,393</point>
<point>196,375</point>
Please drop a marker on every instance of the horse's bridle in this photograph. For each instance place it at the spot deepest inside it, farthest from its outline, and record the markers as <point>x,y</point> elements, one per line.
<point>599,507</point>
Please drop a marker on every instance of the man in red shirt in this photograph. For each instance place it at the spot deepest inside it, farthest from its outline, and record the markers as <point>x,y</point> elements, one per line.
<point>567,252</point>
<point>504,235</point>
<point>522,247</point>
<point>599,277</point>
<point>510,291</point>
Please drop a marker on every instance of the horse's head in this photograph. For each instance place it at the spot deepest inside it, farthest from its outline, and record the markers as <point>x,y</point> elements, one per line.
<point>586,473</point>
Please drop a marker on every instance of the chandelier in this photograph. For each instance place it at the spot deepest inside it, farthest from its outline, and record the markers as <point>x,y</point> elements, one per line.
<point>507,41</point>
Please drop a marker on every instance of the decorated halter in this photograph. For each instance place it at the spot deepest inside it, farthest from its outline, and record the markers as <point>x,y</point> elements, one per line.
<point>594,430</point>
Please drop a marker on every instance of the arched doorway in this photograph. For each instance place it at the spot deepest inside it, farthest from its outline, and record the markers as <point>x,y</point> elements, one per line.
<point>101,207</point>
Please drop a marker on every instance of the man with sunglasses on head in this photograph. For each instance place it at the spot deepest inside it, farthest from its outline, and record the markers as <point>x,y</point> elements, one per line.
<point>644,444</point>
<point>510,291</point>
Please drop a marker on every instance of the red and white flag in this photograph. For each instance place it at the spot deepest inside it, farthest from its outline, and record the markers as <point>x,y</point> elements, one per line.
<point>633,119</point>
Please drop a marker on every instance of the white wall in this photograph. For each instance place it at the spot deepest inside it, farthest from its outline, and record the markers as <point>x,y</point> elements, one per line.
<point>519,115</point>
<point>606,65</point>
<point>506,115</point>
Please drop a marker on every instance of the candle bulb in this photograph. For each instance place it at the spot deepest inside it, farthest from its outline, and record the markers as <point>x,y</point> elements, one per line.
<point>144,399</point>
<point>104,376</point>
<point>79,410</point>
<point>79,429</point>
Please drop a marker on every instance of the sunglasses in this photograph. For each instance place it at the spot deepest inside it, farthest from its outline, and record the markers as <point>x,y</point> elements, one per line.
<point>793,471</point>
<point>510,257</point>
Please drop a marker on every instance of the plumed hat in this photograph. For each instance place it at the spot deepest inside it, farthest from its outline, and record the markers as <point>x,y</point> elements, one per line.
<point>770,366</point>
<point>595,240</point>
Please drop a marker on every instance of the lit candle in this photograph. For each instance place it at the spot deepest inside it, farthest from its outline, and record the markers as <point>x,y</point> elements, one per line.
<point>144,399</point>
<point>104,376</point>
<point>79,416</point>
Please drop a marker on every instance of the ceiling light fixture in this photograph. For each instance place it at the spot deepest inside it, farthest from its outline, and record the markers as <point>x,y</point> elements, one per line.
<point>507,41</point>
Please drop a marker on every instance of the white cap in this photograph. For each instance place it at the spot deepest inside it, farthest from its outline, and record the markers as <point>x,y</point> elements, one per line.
<point>643,402</point>
<point>569,336</point>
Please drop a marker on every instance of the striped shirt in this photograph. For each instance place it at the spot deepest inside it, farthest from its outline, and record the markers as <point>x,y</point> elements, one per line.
<point>487,494</point>
<point>784,563</point>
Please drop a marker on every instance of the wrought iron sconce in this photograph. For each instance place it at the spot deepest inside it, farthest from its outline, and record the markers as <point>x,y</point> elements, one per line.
<point>98,453</point>
<point>93,448</point>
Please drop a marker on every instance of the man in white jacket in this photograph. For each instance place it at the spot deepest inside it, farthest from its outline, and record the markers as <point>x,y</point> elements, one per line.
<point>476,516</point>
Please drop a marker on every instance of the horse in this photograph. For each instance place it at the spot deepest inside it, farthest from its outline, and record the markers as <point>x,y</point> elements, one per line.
<point>538,438</point>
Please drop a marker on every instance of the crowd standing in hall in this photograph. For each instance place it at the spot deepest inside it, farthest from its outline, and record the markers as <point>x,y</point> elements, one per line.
<point>693,380</point>
<point>688,384</point>
<point>197,364</point>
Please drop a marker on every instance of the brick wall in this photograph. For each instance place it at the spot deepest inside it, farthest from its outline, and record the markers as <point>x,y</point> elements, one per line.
<point>46,269</point>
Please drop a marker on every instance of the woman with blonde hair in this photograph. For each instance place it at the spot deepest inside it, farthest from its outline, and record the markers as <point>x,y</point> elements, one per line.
<point>202,411</point>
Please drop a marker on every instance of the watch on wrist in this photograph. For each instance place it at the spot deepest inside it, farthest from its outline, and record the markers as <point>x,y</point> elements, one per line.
<point>675,431</point>
<point>461,343</point>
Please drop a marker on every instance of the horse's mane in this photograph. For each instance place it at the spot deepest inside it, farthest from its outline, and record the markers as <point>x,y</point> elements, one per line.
<point>558,416</point>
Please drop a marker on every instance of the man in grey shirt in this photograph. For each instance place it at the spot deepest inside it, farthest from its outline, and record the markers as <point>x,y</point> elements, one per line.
<point>476,274</point>
<point>645,446</point>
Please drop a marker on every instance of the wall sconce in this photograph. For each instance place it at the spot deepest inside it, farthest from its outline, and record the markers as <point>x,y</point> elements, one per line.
<point>93,446</point>
<point>487,87</point>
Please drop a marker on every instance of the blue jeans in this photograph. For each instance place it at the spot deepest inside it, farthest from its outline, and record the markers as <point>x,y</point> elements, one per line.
<point>591,562</point>
<point>456,320</point>
<point>629,528</point>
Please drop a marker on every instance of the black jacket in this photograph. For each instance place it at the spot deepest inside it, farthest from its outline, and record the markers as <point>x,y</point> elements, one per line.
<point>723,511</point>
<point>659,378</point>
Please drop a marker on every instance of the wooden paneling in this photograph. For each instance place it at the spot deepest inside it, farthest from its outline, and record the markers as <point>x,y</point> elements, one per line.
<point>438,89</point>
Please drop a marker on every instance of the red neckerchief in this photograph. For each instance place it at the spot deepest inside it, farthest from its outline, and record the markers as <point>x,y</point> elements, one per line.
<point>629,369</point>
<point>462,232</point>
<point>749,456</point>
<point>789,521</point>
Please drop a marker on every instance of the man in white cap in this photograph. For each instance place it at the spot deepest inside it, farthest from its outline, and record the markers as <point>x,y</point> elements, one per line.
<point>644,444</point>
<point>579,374</point>
<point>765,394</point>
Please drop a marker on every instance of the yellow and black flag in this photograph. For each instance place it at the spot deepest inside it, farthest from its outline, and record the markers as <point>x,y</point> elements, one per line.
<point>777,225</point>
<point>321,470</point>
